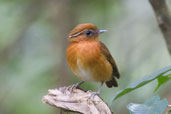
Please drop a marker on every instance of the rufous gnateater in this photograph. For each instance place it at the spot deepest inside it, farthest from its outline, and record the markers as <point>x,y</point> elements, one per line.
<point>89,58</point>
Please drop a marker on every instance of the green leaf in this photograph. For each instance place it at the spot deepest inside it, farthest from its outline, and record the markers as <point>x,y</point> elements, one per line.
<point>163,79</point>
<point>151,106</point>
<point>168,112</point>
<point>141,83</point>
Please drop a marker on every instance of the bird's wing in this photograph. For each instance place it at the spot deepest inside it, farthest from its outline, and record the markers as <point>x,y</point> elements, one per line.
<point>110,59</point>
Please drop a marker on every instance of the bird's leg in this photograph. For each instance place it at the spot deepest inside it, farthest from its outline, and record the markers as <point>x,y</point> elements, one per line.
<point>70,88</point>
<point>96,93</point>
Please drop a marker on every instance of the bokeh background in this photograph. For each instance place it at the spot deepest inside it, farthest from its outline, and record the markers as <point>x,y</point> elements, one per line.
<point>33,43</point>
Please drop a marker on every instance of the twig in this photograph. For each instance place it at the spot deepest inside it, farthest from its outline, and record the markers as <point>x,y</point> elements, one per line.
<point>164,19</point>
<point>77,101</point>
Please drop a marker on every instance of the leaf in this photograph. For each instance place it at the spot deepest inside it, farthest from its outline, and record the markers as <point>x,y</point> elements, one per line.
<point>163,79</point>
<point>152,106</point>
<point>168,112</point>
<point>141,83</point>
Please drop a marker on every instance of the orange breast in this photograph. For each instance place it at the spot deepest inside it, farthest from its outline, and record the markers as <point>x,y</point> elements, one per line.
<point>87,62</point>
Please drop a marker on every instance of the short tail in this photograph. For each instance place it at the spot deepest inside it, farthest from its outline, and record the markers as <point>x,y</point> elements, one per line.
<point>112,82</point>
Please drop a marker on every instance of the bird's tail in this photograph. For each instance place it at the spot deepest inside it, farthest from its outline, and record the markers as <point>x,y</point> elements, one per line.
<point>112,82</point>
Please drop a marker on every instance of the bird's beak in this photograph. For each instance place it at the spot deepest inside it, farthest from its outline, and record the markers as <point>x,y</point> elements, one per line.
<point>101,31</point>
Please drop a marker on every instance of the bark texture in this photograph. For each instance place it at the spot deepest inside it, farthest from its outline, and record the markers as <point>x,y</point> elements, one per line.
<point>164,19</point>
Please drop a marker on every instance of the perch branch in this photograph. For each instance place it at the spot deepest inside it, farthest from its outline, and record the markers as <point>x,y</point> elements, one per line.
<point>76,102</point>
<point>164,19</point>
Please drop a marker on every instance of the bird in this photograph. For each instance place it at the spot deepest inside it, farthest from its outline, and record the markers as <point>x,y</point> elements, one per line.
<point>89,59</point>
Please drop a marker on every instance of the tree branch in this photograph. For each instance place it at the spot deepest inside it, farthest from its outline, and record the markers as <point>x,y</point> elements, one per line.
<point>77,101</point>
<point>164,19</point>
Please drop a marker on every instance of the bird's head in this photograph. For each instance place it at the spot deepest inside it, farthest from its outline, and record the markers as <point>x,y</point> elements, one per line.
<point>84,32</point>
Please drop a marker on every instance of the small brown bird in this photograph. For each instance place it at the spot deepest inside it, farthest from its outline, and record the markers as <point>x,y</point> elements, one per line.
<point>89,59</point>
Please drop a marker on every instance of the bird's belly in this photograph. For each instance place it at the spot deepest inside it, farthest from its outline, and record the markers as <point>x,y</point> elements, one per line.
<point>94,71</point>
<point>85,74</point>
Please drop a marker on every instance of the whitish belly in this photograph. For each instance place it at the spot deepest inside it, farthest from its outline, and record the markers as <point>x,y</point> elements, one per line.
<point>84,74</point>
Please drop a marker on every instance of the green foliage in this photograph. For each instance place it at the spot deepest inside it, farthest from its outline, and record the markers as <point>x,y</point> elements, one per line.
<point>145,81</point>
<point>163,79</point>
<point>152,106</point>
<point>168,112</point>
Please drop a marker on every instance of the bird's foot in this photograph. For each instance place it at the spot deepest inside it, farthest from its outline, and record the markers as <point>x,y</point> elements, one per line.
<point>72,87</point>
<point>93,94</point>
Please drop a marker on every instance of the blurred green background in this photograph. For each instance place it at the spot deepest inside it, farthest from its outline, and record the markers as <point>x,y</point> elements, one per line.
<point>33,43</point>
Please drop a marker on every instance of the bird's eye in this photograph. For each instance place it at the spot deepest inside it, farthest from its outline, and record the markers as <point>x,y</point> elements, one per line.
<point>88,33</point>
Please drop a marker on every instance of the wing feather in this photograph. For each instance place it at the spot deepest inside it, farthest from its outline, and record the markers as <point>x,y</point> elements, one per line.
<point>115,72</point>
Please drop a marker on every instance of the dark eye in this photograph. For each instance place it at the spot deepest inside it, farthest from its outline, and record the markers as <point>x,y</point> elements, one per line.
<point>89,33</point>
